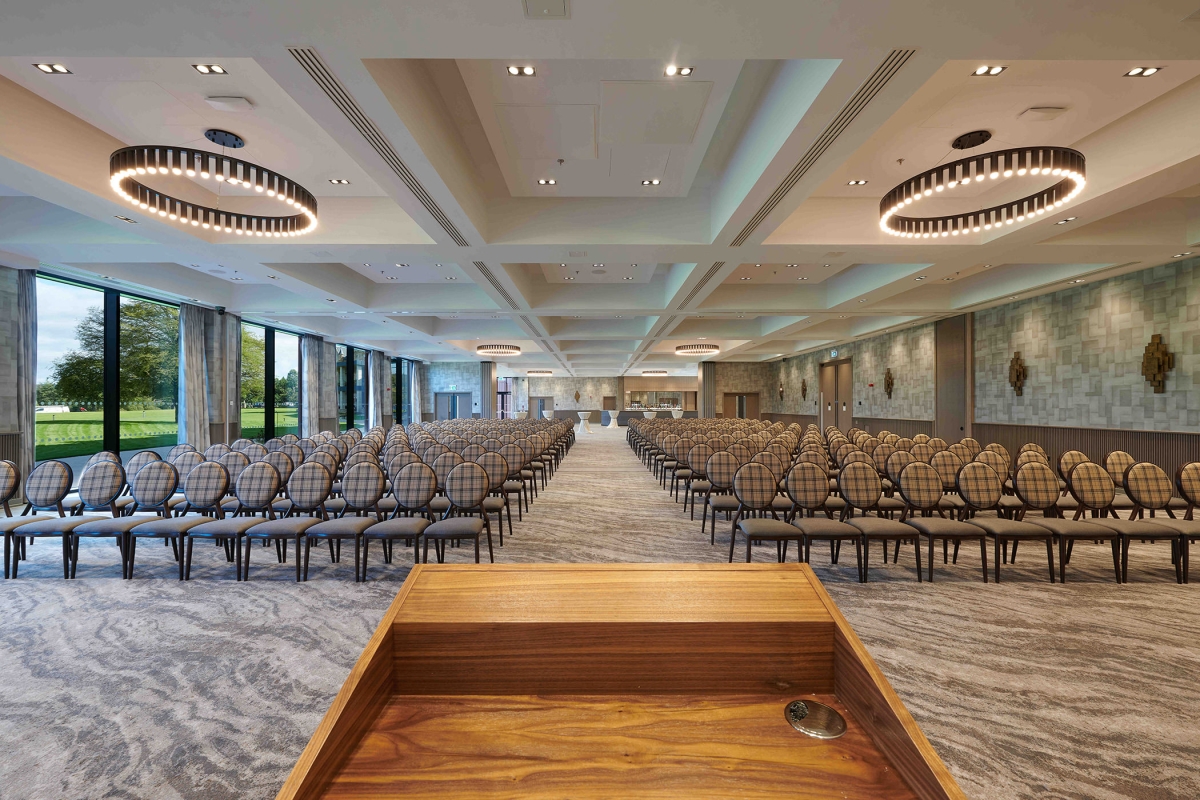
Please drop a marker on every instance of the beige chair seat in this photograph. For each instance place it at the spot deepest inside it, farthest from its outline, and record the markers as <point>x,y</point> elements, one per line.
<point>825,528</point>
<point>283,528</point>
<point>723,502</point>
<point>230,526</point>
<point>773,529</point>
<point>398,528</point>
<point>455,528</point>
<point>51,526</point>
<point>879,528</point>
<point>175,526</point>
<point>942,528</point>
<point>11,523</point>
<point>1009,528</point>
<point>344,527</point>
<point>109,526</point>
<point>1073,529</point>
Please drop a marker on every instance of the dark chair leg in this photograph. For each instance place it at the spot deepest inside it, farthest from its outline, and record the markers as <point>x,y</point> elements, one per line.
<point>1050,556</point>
<point>983,557</point>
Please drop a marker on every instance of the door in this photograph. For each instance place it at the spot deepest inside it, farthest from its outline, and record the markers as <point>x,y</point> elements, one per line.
<point>731,406</point>
<point>845,385</point>
<point>828,396</point>
<point>462,405</point>
<point>751,406</point>
<point>442,405</point>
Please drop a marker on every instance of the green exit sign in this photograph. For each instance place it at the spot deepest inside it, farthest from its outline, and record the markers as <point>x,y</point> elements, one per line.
<point>453,386</point>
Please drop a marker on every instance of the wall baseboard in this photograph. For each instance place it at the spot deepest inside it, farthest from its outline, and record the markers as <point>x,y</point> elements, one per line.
<point>787,419</point>
<point>1167,449</point>
<point>900,427</point>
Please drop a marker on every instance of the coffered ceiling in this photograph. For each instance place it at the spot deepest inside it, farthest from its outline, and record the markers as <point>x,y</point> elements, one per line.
<point>443,236</point>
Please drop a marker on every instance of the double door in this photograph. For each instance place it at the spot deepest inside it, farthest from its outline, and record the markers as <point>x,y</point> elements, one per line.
<point>837,395</point>
<point>452,405</point>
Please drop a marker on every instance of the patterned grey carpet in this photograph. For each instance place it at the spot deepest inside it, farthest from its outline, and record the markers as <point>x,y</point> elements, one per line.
<point>210,689</point>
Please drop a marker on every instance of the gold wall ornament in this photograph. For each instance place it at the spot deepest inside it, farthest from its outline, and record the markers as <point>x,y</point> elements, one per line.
<point>781,390</point>
<point>1017,373</point>
<point>889,383</point>
<point>576,397</point>
<point>1157,362</point>
<point>804,389</point>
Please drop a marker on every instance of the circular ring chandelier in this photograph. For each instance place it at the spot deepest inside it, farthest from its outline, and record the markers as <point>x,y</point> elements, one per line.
<point>498,350</point>
<point>1061,162</point>
<point>539,373</point>
<point>696,350</point>
<point>127,166</point>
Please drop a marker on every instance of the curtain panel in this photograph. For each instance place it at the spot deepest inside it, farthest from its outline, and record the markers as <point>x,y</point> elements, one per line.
<point>377,364</point>
<point>310,384</point>
<point>193,376</point>
<point>26,368</point>
<point>415,392</point>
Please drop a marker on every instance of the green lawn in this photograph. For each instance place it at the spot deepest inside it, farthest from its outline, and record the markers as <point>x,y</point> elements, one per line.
<point>80,433</point>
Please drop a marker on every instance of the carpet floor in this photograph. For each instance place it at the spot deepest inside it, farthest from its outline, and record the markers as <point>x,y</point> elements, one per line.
<point>210,689</point>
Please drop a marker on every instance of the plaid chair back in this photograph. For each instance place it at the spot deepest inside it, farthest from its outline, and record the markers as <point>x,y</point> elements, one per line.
<point>139,460</point>
<point>859,485</point>
<point>882,453</point>
<point>921,451</point>
<point>293,452</point>
<point>754,485</point>
<point>896,463</point>
<point>309,485</point>
<point>365,446</point>
<point>771,462</point>
<point>921,486</point>
<point>206,485</point>
<point>324,459</point>
<point>1036,485</point>
<point>234,462</point>
<point>1031,457</point>
<point>433,452</point>
<point>1187,480</point>
<point>860,438</point>
<point>869,444</point>
<point>306,446</point>
<point>903,443</point>
<point>151,485</point>
<point>179,449</point>
<point>363,485</point>
<point>740,452</point>
<point>721,468</point>
<point>858,456</point>
<point>401,460</point>
<point>492,445</point>
<point>414,485</point>
<point>972,445</point>
<point>807,485</point>
<point>328,449</point>
<point>962,451</point>
<point>514,456</point>
<point>443,465</point>
<point>1147,485</point>
<point>103,455</point>
<point>681,450</point>
<point>508,438</point>
<point>282,464</point>
<point>496,467</point>
<point>938,444</point>
<point>362,456</point>
<point>697,459</point>
<point>979,485</point>
<point>472,452</point>
<point>467,485</point>
<point>257,485</point>
<point>1037,448</point>
<point>342,443</point>
<point>997,462</point>
<point>814,457</point>
<point>1091,485</point>
<point>10,479</point>
<point>255,452</point>
<point>842,452</point>
<point>290,438</point>
<point>101,483</point>
<point>214,452</point>
<point>1068,461</point>
<point>1116,463</point>
<point>921,438</point>
<point>781,449</point>
<point>891,439</point>
<point>186,462</point>
<point>1000,449</point>
<point>947,465</point>
<point>476,438</point>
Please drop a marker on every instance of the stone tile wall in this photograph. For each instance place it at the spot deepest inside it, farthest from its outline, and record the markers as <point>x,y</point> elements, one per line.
<point>1083,348</point>
<point>439,376</point>
<point>592,392</point>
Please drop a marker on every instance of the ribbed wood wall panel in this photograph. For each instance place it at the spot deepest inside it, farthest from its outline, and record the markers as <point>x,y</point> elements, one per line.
<point>900,427</point>
<point>10,447</point>
<point>1166,449</point>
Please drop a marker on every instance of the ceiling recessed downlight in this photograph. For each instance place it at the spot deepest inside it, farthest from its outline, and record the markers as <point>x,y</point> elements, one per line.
<point>547,182</point>
<point>988,70</point>
<point>209,69</point>
<point>856,183</point>
<point>705,349</point>
<point>339,181</point>
<point>651,182</point>
<point>1142,72</point>
<point>1065,221</point>
<point>498,350</point>
<point>1181,255</point>
<point>526,71</point>
<point>54,69</point>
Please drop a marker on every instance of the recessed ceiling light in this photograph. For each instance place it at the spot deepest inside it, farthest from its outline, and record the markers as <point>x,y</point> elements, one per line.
<point>405,265</point>
<point>597,265</point>
<point>54,69</point>
<point>793,265</point>
<point>547,182</point>
<point>236,279</point>
<point>745,278</point>
<point>651,182</point>
<point>451,278</point>
<point>366,264</point>
<point>987,266</point>
<point>1142,72</point>
<point>1065,221</point>
<point>856,183</point>
<point>273,277</point>
<point>126,219</point>
<point>392,277</point>
<point>701,337</point>
<point>209,69</point>
<point>1181,255</point>
<point>741,316</point>
<point>988,71</point>
<point>627,278</point>
<point>1014,297</point>
<point>568,278</point>
<point>948,278</point>
<point>1077,280</point>
<point>618,316</point>
<point>919,278</point>
<point>522,72</point>
<point>801,279</point>
<point>330,300</point>
<point>339,181</point>
<point>862,300</point>
<point>671,71</point>
<point>842,316</point>
<point>828,265</point>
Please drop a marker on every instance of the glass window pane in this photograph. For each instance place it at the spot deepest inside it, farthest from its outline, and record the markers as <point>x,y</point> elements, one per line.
<point>70,380</point>
<point>148,362</point>
<point>287,383</point>
<point>395,396</point>
<point>360,389</point>
<point>341,387</point>
<point>405,392</point>
<point>254,371</point>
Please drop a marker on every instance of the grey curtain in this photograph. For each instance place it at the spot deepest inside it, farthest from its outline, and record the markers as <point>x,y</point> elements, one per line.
<point>377,367</point>
<point>327,386</point>
<point>193,376</point>
<point>26,366</point>
<point>310,384</point>
<point>418,403</point>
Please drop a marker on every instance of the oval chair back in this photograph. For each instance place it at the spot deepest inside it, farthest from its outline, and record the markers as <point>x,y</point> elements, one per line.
<point>720,469</point>
<point>996,447</point>
<point>185,462</point>
<point>860,487</point>
<point>139,460</point>
<point>443,465</point>
<point>1069,460</point>
<point>1091,485</point>
<point>1116,463</point>
<point>204,488</point>
<point>754,486</point>
<point>496,467</point>
<point>807,486</point>
<point>896,463</point>
<point>256,487</point>
<point>282,464</point>
<point>979,485</point>
<point>152,485</point>
<point>362,487</point>
<point>214,452</point>
<point>997,463</point>
<point>179,449</point>
<point>234,462</point>
<point>921,488</point>
<point>399,461</point>
<point>309,487</point>
<point>1148,487</point>
<point>255,452</point>
<point>101,484</point>
<point>293,452</point>
<point>972,445</point>
<point>413,486</point>
<point>466,487</point>
<point>322,457</point>
<point>47,485</point>
<point>1037,486</point>
<point>1187,481</point>
<point>10,480</point>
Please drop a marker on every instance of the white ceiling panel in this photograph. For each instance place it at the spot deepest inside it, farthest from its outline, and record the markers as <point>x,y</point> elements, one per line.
<point>548,132</point>
<point>651,112</point>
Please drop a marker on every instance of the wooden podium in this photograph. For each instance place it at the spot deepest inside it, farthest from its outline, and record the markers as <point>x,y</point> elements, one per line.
<point>613,681</point>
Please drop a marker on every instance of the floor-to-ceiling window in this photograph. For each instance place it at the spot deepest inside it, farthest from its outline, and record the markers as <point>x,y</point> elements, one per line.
<point>353,383</point>
<point>254,382</point>
<point>403,370</point>
<point>70,380</point>
<point>361,385</point>
<point>504,393</point>
<point>343,386</point>
<point>286,378</point>
<point>148,353</point>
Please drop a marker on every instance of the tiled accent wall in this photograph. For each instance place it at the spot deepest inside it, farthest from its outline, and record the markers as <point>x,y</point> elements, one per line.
<point>746,377</point>
<point>8,350</point>
<point>910,353</point>
<point>1083,348</point>
<point>439,376</point>
<point>793,372</point>
<point>592,392</point>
